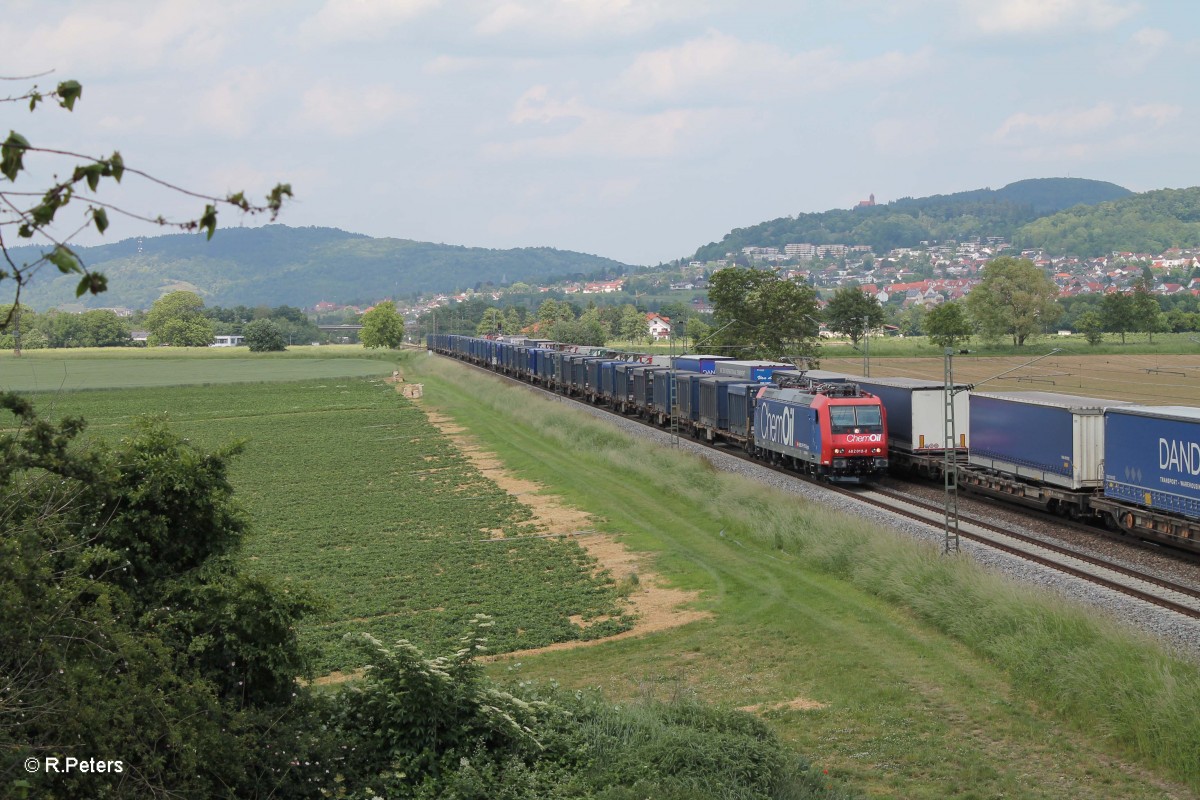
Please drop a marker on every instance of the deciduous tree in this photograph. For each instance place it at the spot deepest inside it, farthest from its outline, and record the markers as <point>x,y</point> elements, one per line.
<point>1147,313</point>
<point>127,629</point>
<point>382,326</point>
<point>1015,298</point>
<point>759,315</point>
<point>264,336</point>
<point>633,326</point>
<point>177,319</point>
<point>1117,312</point>
<point>948,324</point>
<point>853,312</point>
<point>1091,325</point>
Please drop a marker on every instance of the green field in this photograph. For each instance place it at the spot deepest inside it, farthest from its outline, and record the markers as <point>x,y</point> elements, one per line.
<point>902,673</point>
<point>353,494</point>
<point>125,368</point>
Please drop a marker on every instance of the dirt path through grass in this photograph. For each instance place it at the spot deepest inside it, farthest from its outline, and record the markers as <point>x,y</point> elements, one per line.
<point>658,607</point>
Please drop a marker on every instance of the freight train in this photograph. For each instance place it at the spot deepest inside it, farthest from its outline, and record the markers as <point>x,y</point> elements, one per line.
<point>834,432</point>
<point>1133,468</point>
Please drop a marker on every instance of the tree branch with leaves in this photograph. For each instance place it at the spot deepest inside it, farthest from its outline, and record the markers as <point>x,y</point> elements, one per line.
<point>31,215</point>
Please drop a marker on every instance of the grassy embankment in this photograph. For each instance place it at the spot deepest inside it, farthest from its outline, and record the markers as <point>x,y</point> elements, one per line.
<point>910,674</point>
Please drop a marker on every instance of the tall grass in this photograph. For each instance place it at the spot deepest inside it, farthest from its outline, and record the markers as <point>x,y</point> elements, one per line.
<point>1107,681</point>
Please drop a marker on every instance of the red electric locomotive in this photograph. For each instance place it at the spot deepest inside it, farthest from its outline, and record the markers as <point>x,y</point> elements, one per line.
<point>831,430</point>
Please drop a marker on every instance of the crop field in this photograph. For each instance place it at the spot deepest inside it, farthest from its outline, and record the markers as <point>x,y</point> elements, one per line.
<point>354,495</point>
<point>1148,378</point>
<point>113,368</point>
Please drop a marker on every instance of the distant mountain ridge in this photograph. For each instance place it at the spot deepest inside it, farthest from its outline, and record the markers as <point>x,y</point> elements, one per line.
<point>909,221</point>
<point>280,265</point>
<point>1150,222</point>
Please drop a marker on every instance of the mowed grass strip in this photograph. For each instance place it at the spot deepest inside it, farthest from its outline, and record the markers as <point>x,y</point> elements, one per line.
<point>903,672</point>
<point>352,493</point>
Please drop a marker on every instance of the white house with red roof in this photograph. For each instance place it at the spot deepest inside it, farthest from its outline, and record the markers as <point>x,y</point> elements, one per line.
<point>659,326</point>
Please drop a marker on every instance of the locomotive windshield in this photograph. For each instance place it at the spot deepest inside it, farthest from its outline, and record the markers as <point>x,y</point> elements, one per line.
<point>845,419</point>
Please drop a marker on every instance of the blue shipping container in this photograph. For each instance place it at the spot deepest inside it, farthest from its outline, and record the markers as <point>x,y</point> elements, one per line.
<point>714,401</point>
<point>623,380</point>
<point>643,383</point>
<point>750,371</point>
<point>663,389</point>
<point>1152,457</point>
<point>706,365</point>
<point>741,407</point>
<point>687,390</point>
<point>1050,437</point>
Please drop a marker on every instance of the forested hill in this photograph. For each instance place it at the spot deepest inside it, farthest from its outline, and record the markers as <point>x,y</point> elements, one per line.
<point>279,265</point>
<point>1142,223</point>
<point>909,221</point>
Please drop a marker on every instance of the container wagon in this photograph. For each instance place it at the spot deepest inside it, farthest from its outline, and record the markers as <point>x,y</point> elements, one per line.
<point>1152,473</point>
<point>916,412</point>
<point>1040,449</point>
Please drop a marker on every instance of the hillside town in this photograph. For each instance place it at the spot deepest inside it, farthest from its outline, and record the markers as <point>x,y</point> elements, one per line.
<point>928,275</point>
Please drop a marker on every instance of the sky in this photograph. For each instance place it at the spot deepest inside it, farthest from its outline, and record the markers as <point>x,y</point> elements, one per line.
<point>638,130</point>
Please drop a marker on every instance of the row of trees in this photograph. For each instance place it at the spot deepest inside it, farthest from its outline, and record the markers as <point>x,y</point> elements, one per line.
<point>177,319</point>
<point>32,331</point>
<point>758,314</point>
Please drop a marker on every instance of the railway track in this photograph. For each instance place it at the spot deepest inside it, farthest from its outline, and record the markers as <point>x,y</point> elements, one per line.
<point>1166,594</point>
<point>1136,583</point>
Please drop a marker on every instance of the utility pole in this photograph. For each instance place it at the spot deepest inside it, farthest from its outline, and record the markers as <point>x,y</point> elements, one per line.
<point>866,347</point>
<point>950,465</point>
<point>949,432</point>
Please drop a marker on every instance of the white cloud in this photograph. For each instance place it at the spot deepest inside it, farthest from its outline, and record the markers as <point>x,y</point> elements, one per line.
<point>1069,122</point>
<point>1017,17</point>
<point>575,19</point>
<point>1082,122</point>
<point>575,129</point>
<point>536,105</point>
<point>361,20</point>
<point>1101,131</point>
<point>907,136</point>
<point>1152,38</point>
<point>457,65</point>
<point>232,104</point>
<point>720,67</point>
<point>345,113</point>
<point>92,39</point>
<point>1158,113</point>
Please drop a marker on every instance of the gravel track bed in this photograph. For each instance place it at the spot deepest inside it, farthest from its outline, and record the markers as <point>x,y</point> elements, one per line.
<point>1176,632</point>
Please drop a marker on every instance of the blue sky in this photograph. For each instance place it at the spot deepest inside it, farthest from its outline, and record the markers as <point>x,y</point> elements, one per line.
<point>633,129</point>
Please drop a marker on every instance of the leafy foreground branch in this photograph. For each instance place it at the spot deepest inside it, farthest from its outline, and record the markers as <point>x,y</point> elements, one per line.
<point>31,215</point>
<point>129,634</point>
